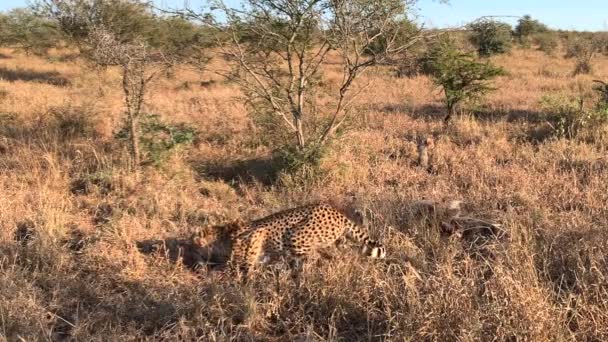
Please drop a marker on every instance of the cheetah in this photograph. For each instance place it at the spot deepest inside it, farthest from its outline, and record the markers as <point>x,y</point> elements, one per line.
<point>294,232</point>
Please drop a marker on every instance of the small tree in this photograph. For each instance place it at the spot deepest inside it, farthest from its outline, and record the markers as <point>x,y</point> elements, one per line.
<point>139,66</point>
<point>128,20</point>
<point>460,75</point>
<point>181,39</point>
<point>407,63</point>
<point>278,49</point>
<point>490,37</point>
<point>527,27</point>
<point>122,33</point>
<point>600,40</point>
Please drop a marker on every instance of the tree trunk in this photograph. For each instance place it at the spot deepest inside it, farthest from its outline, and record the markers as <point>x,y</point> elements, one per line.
<point>300,132</point>
<point>134,128</point>
<point>451,112</point>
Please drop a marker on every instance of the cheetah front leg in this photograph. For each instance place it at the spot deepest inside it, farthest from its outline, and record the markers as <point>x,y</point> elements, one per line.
<point>248,251</point>
<point>371,248</point>
<point>298,248</point>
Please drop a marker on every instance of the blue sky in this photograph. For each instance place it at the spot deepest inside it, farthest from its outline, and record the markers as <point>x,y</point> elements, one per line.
<point>590,15</point>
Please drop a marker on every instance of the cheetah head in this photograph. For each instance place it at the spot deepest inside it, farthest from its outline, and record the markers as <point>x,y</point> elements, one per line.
<point>374,250</point>
<point>210,235</point>
<point>214,243</point>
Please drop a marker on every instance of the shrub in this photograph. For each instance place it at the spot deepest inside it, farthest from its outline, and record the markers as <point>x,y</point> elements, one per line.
<point>293,159</point>
<point>159,139</point>
<point>403,33</point>
<point>410,62</point>
<point>181,39</point>
<point>565,115</point>
<point>582,49</point>
<point>299,167</point>
<point>128,20</point>
<point>600,40</point>
<point>601,89</point>
<point>547,43</point>
<point>461,76</point>
<point>569,117</point>
<point>490,37</point>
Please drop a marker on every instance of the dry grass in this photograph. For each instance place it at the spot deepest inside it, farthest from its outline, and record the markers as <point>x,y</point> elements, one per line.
<point>64,179</point>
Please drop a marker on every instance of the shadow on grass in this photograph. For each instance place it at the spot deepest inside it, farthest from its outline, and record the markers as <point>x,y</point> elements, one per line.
<point>176,250</point>
<point>264,170</point>
<point>537,131</point>
<point>63,123</point>
<point>575,263</point>
<point>438,112</point>
<point>83,296</point>
<point>329,317</point>
<point>48,77</point>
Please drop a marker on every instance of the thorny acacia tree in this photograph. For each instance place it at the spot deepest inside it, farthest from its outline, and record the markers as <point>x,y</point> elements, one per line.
<point>114,33</point>
<point>461,76</point>
<point>139,65</point>
<point>278,49</point>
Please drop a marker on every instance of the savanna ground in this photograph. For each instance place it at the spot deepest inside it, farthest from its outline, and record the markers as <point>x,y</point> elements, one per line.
<point>71,213</point>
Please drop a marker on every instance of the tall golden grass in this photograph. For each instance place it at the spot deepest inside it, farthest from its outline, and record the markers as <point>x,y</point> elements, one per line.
<point>79,276</point>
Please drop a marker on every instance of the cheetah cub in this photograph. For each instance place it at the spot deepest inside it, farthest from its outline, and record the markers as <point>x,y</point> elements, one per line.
<point>294,232</point>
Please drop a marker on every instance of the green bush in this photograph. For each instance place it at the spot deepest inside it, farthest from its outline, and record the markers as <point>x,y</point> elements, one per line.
<point>180,38</point>
<point>300,166</point>
<point>490,37</point>
<point>159,139</point>
<point>403,32</point>
<point>293,159</point>
<point>22,28</point>
<point>569,117</point>
<point>128,20</point>
<point>527,28</point>
<point>564,114</point>
<point>600,40</point>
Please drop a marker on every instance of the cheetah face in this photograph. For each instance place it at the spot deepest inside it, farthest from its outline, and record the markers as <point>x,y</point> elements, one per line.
<point>211,235</point>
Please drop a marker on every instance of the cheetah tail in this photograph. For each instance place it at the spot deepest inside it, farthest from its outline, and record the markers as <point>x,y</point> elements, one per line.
<point>371,248</point>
